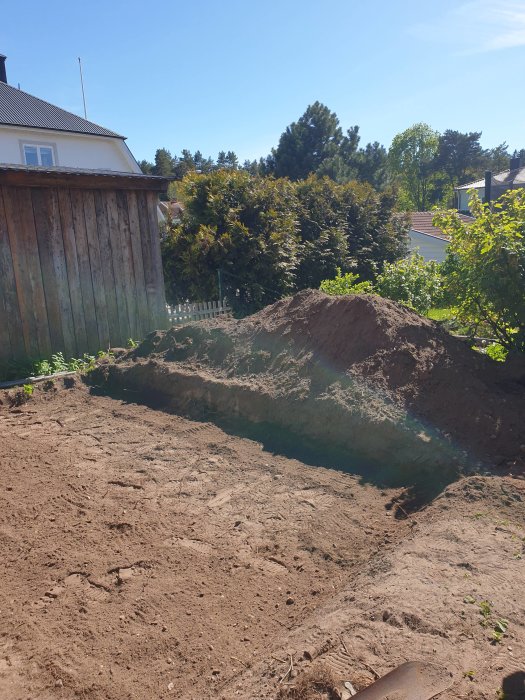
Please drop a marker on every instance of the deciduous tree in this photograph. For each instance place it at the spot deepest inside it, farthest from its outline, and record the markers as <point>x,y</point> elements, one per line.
<point>486,263</point>
<point>410,159</point>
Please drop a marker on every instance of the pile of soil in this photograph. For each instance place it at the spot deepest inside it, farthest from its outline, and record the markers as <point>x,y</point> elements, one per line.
<point>360,374</point>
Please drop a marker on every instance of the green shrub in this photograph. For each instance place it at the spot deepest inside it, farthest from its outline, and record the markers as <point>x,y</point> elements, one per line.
<point>486,261</point>
<point>346,284</point>
<point>58,363</point>
<point>496,352</point>
<point>413,282</point>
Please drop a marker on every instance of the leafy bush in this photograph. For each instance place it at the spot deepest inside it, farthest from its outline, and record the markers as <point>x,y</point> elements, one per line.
<point>486,261</point>
<point>261,238</point>
<point>350,226</point>
<point>346,284</point>
<point>412,282</point>
<point>496,352</point>
<point>243,226</point>
<point>58,363</point>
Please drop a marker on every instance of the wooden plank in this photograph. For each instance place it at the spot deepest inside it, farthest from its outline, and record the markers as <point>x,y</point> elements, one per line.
<point>54,271</point>
<point>84,269</point>
<point>147,260</point>
<point>127,258</point>
<point>80,180</point>
<point>6,276</point>
<point>154,241</point>
<point>106,259</point>
<point>28,275</point>
<point>145,321</point>
<point>119,271</point>
<point>11,334</point>
<point>73,272</point>
<point>97,276</point>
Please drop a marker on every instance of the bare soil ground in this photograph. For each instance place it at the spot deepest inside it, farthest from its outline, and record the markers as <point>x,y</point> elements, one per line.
<point>148,555</point>
<point>145,555</point>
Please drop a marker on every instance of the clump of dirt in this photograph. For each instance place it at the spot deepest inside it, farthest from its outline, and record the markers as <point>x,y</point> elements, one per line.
<point>359,373</point>
<point>318,683</point>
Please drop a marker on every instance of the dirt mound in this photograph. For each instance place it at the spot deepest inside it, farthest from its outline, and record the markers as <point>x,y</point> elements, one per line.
<point>360,373</point>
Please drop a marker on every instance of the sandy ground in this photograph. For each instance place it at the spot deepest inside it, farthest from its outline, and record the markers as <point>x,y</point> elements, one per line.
<point>149,556</point>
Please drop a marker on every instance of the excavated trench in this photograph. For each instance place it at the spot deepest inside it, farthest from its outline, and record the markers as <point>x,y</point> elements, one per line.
<point>367,436</point>
<point>358,383</point>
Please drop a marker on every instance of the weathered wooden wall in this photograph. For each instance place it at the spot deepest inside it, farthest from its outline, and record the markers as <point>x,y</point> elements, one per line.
<point>80,268</point>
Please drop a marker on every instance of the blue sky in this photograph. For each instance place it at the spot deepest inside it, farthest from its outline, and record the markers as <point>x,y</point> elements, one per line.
<point>232,74</point>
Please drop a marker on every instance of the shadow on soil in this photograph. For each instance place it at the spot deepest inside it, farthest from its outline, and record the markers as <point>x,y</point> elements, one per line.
<point>420,487</point>
<point>513,686</point>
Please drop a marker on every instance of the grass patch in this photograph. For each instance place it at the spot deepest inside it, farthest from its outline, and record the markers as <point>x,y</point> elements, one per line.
<point>447,313</point>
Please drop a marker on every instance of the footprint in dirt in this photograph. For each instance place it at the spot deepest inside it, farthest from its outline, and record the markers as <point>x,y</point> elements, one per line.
<point>91,589</point>
<point>79,584</point>
<point>195,545</point>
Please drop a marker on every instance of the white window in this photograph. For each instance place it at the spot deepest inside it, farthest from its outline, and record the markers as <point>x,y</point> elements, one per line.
<point>39,154</point>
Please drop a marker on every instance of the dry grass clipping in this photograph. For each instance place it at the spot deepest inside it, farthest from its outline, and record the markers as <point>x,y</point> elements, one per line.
<point>318,683</point>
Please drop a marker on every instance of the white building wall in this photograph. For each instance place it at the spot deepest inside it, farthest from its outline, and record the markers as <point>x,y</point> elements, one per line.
<point>429,247</point>
<point>464,198</point>
<point>72,150</point>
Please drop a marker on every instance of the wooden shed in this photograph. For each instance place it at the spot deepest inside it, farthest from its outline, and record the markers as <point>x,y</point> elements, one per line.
<point>80,264</point>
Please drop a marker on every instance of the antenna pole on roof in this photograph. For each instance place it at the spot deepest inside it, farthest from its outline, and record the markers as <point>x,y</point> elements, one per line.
<point>82,85</point>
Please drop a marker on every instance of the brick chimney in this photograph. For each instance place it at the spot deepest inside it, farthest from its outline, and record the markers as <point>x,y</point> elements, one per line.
<point>515,163</point>
<point>3,74</point>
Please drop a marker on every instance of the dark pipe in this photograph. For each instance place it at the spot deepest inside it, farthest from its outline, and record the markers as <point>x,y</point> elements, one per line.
<point>3,74</point>
<point>488,186</point>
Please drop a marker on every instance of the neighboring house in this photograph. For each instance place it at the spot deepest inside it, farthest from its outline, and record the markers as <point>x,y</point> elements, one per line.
<point>429,240</point>
<point>36,133</point>
<point>500,183</point>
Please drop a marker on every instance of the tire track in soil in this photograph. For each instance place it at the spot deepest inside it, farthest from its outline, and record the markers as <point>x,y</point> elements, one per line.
<point>189,575</point>
<point>231,533</point>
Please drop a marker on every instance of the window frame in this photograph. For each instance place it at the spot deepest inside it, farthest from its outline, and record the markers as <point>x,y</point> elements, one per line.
<point>39,145</point>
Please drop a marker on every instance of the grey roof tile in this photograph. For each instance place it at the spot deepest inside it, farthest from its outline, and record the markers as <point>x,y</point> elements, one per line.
<point>18,108</point>
<point>505,177</point>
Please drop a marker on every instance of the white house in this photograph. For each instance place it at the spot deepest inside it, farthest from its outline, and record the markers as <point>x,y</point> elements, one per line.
<point>426,238</point>
<point>36,133</point>
<point>509,179</point>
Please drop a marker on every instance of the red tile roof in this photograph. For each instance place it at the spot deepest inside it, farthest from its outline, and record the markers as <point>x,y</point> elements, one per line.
<point>422,223</point>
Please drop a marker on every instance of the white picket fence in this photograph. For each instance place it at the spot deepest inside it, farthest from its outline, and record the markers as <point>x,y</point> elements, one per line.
<point>183,313</point>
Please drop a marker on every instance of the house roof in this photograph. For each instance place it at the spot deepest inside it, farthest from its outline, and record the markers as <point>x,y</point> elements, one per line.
<point>506,178</point>
<point>421,222</point>
<point>19,108</point>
